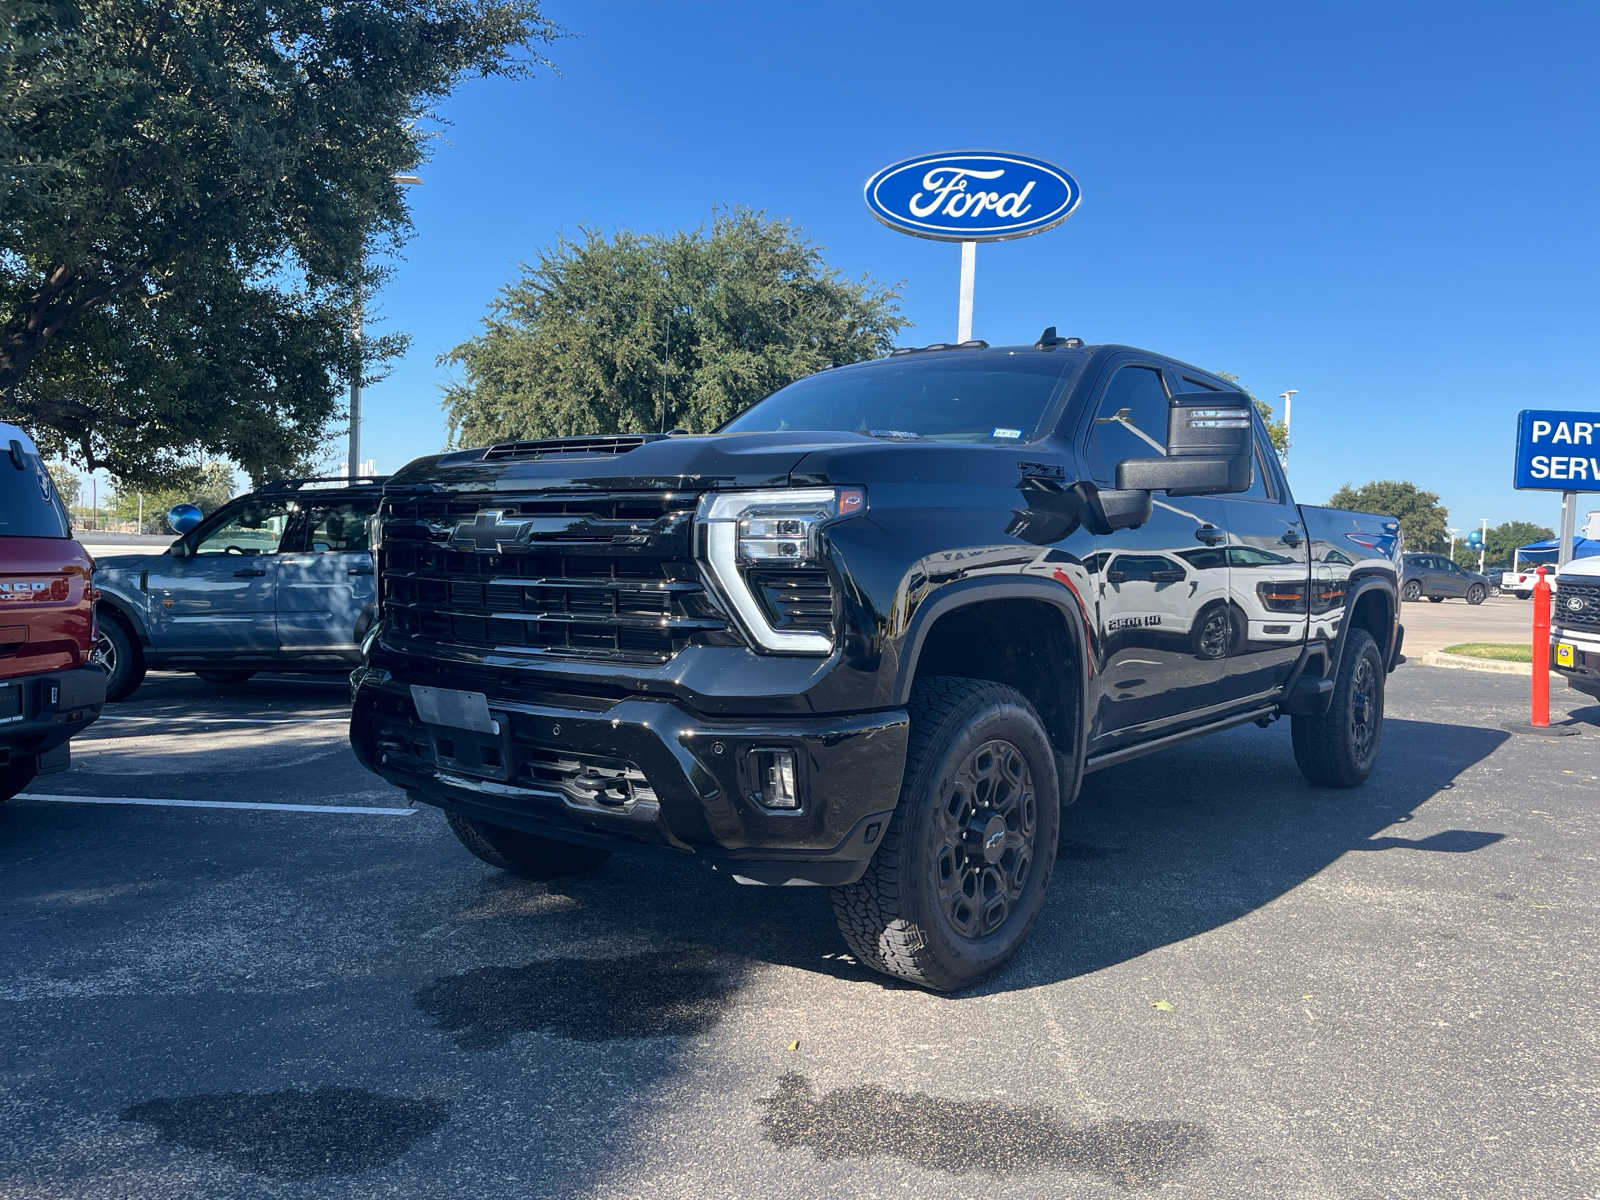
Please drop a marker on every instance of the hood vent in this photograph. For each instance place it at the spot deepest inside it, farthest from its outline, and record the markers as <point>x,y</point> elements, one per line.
<point>619,443</point>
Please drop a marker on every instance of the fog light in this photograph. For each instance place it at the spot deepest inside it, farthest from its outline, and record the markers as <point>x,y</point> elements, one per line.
<point>775,778</point>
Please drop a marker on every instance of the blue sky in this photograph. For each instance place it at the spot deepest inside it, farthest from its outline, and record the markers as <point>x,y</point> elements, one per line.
<point>1390,207</point>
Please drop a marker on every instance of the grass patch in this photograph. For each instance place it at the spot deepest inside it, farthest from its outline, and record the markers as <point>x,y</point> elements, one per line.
<point>1500,651</point>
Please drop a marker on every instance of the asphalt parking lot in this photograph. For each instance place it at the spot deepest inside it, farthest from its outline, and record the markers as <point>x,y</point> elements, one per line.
<point>1240,986</point>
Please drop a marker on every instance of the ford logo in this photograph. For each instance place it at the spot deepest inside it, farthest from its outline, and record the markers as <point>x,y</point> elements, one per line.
<point>972,196</point>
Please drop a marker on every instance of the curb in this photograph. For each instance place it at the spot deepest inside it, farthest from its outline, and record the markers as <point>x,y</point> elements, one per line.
<point>1462,662</point>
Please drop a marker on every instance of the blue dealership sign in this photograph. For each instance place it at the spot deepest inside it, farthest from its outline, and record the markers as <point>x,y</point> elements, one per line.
<point>1558,451</point>
<point>972,196</point>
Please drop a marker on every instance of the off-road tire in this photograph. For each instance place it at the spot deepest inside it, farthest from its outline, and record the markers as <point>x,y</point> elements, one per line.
<point>16,775</point>
<point>1332,750</point>
<point>1476,593</point>
<point>892,918</point>
<point>126,670</point>
<point>221,677</point>
<point>1411,591</point>
<point>524,854</point>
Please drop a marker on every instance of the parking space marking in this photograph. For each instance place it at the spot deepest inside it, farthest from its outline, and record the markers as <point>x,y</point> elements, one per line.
<point>318,808</point>
<point>220,720</point>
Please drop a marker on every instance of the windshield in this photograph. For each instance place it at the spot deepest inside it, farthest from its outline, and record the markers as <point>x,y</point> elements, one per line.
<point>962,396</point>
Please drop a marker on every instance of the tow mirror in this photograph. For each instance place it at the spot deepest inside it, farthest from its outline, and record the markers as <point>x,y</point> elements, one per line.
<point>1210,444</point>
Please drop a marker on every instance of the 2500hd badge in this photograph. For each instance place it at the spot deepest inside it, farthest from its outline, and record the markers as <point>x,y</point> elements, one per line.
<point>806,652</point>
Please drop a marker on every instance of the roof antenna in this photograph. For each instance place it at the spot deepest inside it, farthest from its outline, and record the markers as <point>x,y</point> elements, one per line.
<point>1048,339</point>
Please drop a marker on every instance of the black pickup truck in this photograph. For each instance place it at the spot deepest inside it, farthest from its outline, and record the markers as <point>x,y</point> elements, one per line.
<point>871,634</point>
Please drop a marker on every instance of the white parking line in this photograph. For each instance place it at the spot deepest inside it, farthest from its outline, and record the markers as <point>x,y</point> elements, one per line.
<point>317,808</point>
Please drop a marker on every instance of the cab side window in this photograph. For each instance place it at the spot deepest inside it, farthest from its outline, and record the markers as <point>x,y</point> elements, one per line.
<point>1131,422</point>
<point>338,529</point>
<point>255,528</point>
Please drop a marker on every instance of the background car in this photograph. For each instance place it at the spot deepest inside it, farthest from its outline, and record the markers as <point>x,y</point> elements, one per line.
<point>48,689</point>
<point>1494,575</point>
<point>1439,579</point>
<point>280,579</point>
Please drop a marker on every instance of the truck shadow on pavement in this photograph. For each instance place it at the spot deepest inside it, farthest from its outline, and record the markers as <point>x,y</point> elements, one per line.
<point>1157,851</point>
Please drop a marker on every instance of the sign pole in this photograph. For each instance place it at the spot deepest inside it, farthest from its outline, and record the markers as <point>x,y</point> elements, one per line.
<point>969,269</point>
<point>1569,520</point>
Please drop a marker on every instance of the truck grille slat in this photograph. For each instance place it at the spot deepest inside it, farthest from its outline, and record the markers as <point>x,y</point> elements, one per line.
<point>608,575</point>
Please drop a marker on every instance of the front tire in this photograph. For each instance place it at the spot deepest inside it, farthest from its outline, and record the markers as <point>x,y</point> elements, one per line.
<point>1411,591</point>
<point>524,854</point>
<point>1339,747</point>
<point>1475,594</point>
<point>117,653</point>
<point>960,876</point>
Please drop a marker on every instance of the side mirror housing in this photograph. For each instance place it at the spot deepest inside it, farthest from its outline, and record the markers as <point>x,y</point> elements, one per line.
<point>1210,448</point>
<point>179,549</point>
<point>1108,509</point>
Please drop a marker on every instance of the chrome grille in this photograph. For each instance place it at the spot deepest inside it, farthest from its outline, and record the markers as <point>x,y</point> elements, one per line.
<point>1587,595</point>
<point>593,575</point>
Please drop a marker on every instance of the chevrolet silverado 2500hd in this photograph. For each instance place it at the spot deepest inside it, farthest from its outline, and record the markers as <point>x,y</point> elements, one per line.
<point>871,634</point>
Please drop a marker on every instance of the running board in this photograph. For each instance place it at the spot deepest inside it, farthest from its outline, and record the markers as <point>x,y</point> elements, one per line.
<point>1112,758</point>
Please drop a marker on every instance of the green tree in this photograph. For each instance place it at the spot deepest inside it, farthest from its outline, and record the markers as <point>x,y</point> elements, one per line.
<point>1276,430</point>
<point>187,196</point>
<point>209,487</point>
<point>1503,540</point>
<point>68,483</point>
<point>657,332</point>
<point>1423,520</point>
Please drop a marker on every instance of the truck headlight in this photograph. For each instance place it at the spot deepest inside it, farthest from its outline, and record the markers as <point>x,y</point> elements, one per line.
<point>777,528</point>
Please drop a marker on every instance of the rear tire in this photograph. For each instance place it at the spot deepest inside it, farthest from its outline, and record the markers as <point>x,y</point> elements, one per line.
<point>16,775</point>
<point>1339,748</point>
<point>211,676</point>
<point>116,652</point>
<point>1435,599</point>
<point>961,873</point>
<point>1411,591</point>
<point>524,854</point>
<point>1475,594</point>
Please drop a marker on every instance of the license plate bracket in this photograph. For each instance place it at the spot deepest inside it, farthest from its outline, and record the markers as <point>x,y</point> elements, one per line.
<point>10,702</point>
<point>457,709</point>
<point>1565,655</point>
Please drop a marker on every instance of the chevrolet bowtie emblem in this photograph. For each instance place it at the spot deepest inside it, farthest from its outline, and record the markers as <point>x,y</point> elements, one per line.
<point>488,531</point>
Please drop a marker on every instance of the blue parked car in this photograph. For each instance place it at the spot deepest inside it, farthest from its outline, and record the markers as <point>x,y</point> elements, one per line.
<point>280,579</point>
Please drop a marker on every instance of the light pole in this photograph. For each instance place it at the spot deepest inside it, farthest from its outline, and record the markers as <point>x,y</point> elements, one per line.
<point>353,466</point>
<point>1483,541</point>
<point>1287,396</point>
<point>1452,533</point>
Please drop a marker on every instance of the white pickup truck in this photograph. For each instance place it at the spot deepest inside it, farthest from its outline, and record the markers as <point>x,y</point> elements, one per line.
<point>1575,625</point>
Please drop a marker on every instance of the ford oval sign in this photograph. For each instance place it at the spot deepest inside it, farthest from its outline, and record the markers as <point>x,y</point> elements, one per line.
<point>972,196</point>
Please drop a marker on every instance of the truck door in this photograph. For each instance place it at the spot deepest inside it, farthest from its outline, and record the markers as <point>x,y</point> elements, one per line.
<point>220,598</point>
<point>327,581</point>
<point>1160,622</point>
<point>1269,580</point>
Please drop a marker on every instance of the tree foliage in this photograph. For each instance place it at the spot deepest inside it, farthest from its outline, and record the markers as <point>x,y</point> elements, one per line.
<point>208,486</point>
<point>1503,540</point>
<point>656,332</point>
<point>187,196</point>
<point>1423,520</point>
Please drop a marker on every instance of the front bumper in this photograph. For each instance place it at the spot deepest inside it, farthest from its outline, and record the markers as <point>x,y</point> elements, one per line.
<point>647,772</point>
<point>39,714</point>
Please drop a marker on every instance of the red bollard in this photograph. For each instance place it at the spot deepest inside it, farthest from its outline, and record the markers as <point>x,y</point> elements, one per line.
<point>1541,653</point>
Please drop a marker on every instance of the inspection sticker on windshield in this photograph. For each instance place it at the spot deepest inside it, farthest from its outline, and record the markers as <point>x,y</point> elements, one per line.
<point>459,710</point>
<point>1012,434</point>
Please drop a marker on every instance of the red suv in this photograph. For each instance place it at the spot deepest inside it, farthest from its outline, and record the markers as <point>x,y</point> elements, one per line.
<point>49,687</point>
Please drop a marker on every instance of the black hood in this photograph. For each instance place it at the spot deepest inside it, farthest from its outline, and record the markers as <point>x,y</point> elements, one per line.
<point>649,462</point>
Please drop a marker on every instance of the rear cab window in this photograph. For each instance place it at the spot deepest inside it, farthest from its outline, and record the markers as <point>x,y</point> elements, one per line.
<point>29,506</point>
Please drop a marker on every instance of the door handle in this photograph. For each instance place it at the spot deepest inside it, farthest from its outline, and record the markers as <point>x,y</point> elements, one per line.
<point>1291,537</point>
<point>359,571</point>
<point>1209,534</point>
<point>248,572</point>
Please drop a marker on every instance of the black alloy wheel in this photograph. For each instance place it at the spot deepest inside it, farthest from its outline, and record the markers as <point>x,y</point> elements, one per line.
<point>987,827</point>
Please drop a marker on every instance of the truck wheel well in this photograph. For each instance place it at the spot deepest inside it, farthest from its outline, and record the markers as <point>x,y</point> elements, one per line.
<point>113,612</point>
<point>1372,614</point>
<point>1021,643</point>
